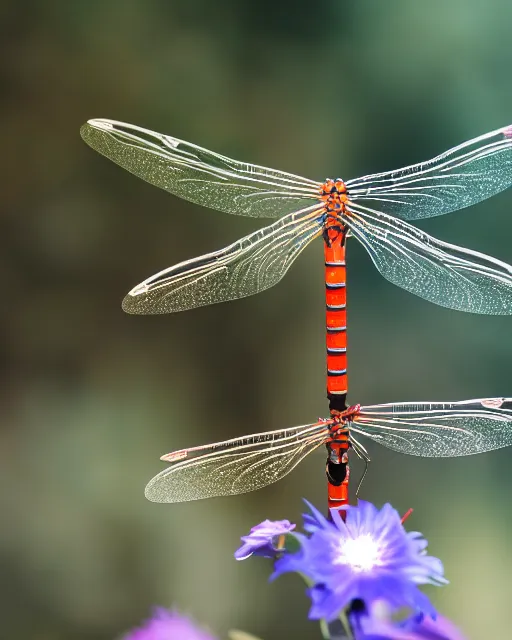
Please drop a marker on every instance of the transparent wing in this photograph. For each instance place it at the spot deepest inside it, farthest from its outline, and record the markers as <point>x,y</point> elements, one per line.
<point>458,178</point>
<point>443,273</point>
<point>234,466</point>
<point>199,175</point>
<point>439,429</point>
<point>248,266</point>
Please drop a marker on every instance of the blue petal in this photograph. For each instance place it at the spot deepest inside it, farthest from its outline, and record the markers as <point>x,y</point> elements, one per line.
<point>314,521</point>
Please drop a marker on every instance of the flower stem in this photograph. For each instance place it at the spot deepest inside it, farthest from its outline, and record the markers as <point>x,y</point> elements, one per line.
<point>335,630</point>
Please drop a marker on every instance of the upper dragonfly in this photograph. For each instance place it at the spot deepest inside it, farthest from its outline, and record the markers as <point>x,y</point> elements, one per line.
<point>443,273</point>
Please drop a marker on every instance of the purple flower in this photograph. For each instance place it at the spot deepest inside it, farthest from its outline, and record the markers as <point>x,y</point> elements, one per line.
<point>367,557</point>
<point>167,625</point>
<point>378,625</point>
<point>438,629</point>
<point>260,540</point>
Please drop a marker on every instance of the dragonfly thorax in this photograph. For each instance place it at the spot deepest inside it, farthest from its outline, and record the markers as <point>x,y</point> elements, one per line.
<point>341,421</point>
<point>334,194</point>
<point>338,432</point>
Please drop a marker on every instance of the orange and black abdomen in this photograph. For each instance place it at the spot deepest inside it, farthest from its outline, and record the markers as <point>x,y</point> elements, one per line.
<point>336,315</point>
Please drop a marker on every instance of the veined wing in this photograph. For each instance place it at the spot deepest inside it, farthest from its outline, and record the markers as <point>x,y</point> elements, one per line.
<point>199,175</point>
<point>247,266</point>
<point>234,466</point>
<point>471,172</point>
<point>443,273</point>
<point>439,429</point>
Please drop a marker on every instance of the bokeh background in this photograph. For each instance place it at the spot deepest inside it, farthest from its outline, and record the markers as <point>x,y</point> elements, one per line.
<point>91,397</point>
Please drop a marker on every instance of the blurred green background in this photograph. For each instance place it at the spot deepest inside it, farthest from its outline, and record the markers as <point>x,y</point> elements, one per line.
<point>92,397</point>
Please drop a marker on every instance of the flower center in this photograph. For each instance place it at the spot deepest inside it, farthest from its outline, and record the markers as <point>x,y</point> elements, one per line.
<point>362,553</point>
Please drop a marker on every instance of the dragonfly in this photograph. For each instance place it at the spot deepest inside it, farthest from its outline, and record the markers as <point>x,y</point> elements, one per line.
<point>241,465</point>
<point>305,209</point>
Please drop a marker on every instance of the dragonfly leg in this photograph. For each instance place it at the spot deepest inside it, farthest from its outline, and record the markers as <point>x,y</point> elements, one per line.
<point>363,455</point>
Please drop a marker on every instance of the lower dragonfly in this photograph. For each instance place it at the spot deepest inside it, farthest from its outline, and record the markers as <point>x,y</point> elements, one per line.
<point>240,465</point>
